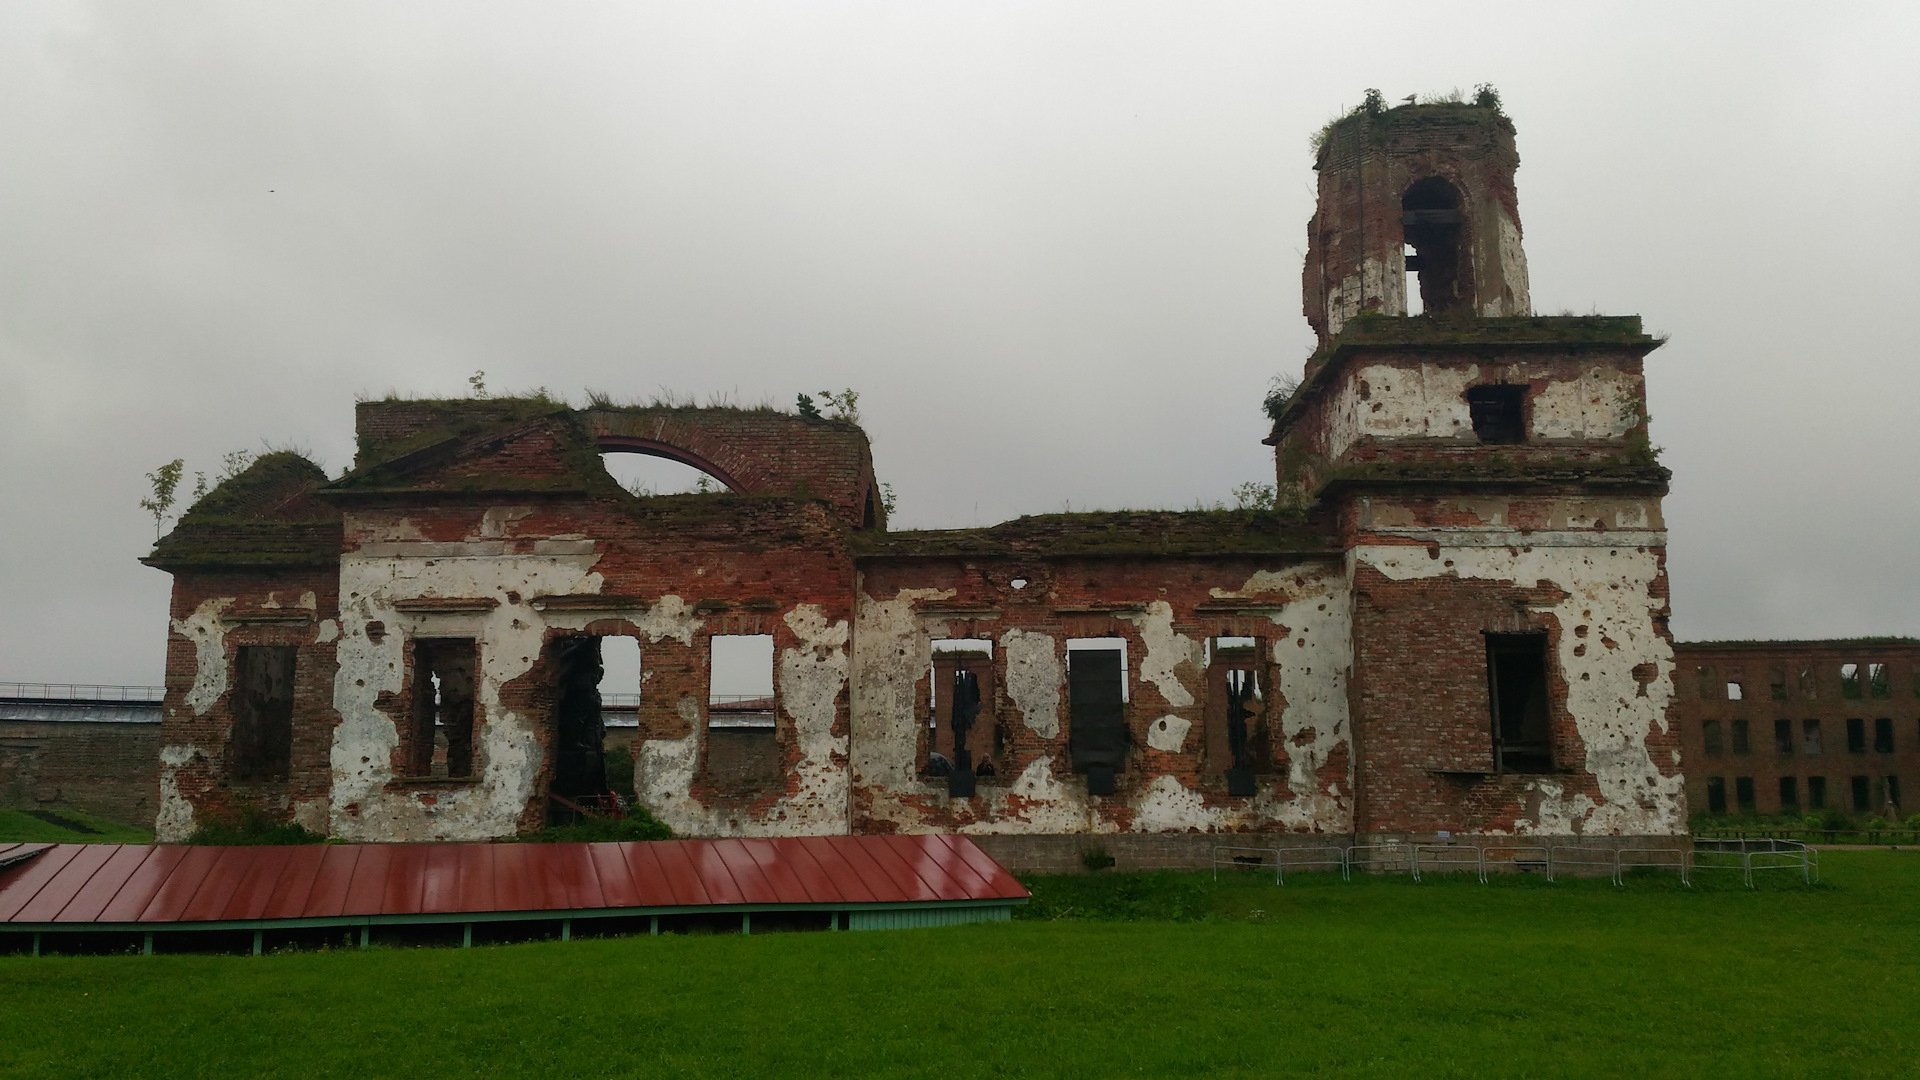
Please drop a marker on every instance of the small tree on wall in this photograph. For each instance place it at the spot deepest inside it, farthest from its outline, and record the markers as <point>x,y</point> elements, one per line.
<point>165,483</point>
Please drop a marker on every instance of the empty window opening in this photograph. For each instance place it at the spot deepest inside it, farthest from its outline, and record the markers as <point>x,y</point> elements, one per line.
<point>1856,736</point>
<point>963,736</point>
<point>263,713</point>
<point>579,745</point>
<point>440,742</point>
<point>1816,793</point>
<point>1789,793</point>
<point>1849,680</point>
<point>1778,683</point>
<point>1517,681</point>
<point>1736,692</point>
<point>1704,675</point>
<point>1879,683</point>
<point>743,745</point>
<point>1743,793</point>
<point>620,682</point>
<point>645,475</point>
<point>1890,797</point>
<point>1431,220</point>
<point>1096,710</point>
<point>740,683</point>
<point>1237,742</point>
<point>1716,795</point>
<point>1710,738</point>
<point>1742,738</point>
<point>1783,737</point>
<point>1862,798</point>
<point>1810,737</point>
<point>1883,736</point>
<point>1498,412</point>
<point>1809,687</point>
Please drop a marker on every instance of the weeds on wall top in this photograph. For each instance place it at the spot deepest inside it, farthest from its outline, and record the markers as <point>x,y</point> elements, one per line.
<point>1373,105</point>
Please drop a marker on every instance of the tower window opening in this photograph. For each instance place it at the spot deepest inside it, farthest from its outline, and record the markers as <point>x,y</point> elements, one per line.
<point>1498,413</point>
<point>1431,218</point>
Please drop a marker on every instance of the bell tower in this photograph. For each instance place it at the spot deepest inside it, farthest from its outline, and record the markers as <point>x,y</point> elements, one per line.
<point>1420,190</point>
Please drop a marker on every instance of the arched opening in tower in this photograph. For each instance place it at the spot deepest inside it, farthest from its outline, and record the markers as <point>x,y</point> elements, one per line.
<point>1431,216</point>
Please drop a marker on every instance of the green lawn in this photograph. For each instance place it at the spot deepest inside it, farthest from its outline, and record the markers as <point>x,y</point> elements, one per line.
<point>1181,977</point>
<point>18,826</point>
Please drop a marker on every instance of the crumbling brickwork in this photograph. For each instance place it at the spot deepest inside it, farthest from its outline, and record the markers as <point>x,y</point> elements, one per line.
<point>1454,620</point>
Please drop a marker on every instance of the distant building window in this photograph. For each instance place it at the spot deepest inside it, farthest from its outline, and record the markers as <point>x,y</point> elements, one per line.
<point>1743,793</point>
<point>1879,683</point>
<point>1783,737</point>
<point>1856,736</point>
<point>1703,676</point>
<point>1809,686</point>
<point>1849,680</point>
<point>1742,738</point>
<point>963,738</point>
<point>1096,710</point>
<point>1810,737</point>
<point>1789,793</point>
<point>1816,793</point>
<point>1499,413</point>
<point>1891,787</point>
<point>1236,740</point>
<point>1710,737</point>
<point>1735,692</point>
<point>1716,795</point>
<point>1862,802</point>
<point>1883,736</point>
<point>1778,683</point>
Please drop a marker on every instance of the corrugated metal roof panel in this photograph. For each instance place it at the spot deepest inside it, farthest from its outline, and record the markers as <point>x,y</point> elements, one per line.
<point>106,884</point>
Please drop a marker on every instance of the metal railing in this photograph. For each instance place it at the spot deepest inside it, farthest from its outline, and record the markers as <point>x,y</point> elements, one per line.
<point>1749,856</point>
<point>33,691</point>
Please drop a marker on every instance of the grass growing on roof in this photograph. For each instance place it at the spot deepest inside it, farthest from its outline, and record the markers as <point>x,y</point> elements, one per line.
<point>1374,978</point>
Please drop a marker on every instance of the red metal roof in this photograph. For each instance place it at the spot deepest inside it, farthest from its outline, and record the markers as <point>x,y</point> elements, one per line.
<point>127,883</point>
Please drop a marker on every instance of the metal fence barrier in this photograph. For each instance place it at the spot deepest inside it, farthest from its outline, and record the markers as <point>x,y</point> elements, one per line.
<point>1747,855</point>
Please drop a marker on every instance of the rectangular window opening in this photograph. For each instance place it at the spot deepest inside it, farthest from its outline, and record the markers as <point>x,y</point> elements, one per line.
<point>1777,685</point>
<point>441,745</point>
<point>740,682</point>
<point>1856,736</point>
<point>1890,787</point>
<point>1809,687</point>
<point>1736,692</point>
<point>1879,683</point>
<point>1522,723</point>
<point>1742,738</point>
<point>1237,742</point>
<point>263,713</point>
<point>1704,679</point>
<point>1862,798</point>
<point>1710,738</point>
<point>1783,737</point>
<point>1883,735</point>
<point>579,781</point>
<point>1096,710</point>
<point>1849,680</point>
<point>963,736</point>
<point>1816,793</point>
<point>1498,413</point>
<point>1716,795</point>
<point>1810,737</point>
<point>1743,793</point>
<point>1789,793</point>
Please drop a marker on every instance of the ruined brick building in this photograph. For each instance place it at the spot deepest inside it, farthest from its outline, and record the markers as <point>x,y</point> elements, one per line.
<point>1455,620</point>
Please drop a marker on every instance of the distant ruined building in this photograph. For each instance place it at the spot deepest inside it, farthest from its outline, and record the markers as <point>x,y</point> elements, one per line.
<point>1454,623</point>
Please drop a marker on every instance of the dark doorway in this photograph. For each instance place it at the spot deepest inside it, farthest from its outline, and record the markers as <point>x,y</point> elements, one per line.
<point>441,741</point>
<point>263,713</point>
<point>579,742</point>
<point>1517,684</point>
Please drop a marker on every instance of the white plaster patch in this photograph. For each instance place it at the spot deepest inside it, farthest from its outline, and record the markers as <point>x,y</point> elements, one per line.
<point>1035,678</point>
<point>1385,401</point>
<point>209,636</point>
<point>1609,591</point>
<point>1167,805</point>
<point>1600,404</point>
<point>329,631</point>
<point>891,652</point>
<point>174,822</point>
<point>1169,733</point>
<point>1167,649</point>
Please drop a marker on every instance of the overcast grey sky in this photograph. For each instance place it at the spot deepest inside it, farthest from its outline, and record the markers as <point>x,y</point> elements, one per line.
<point>1056,247</point>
